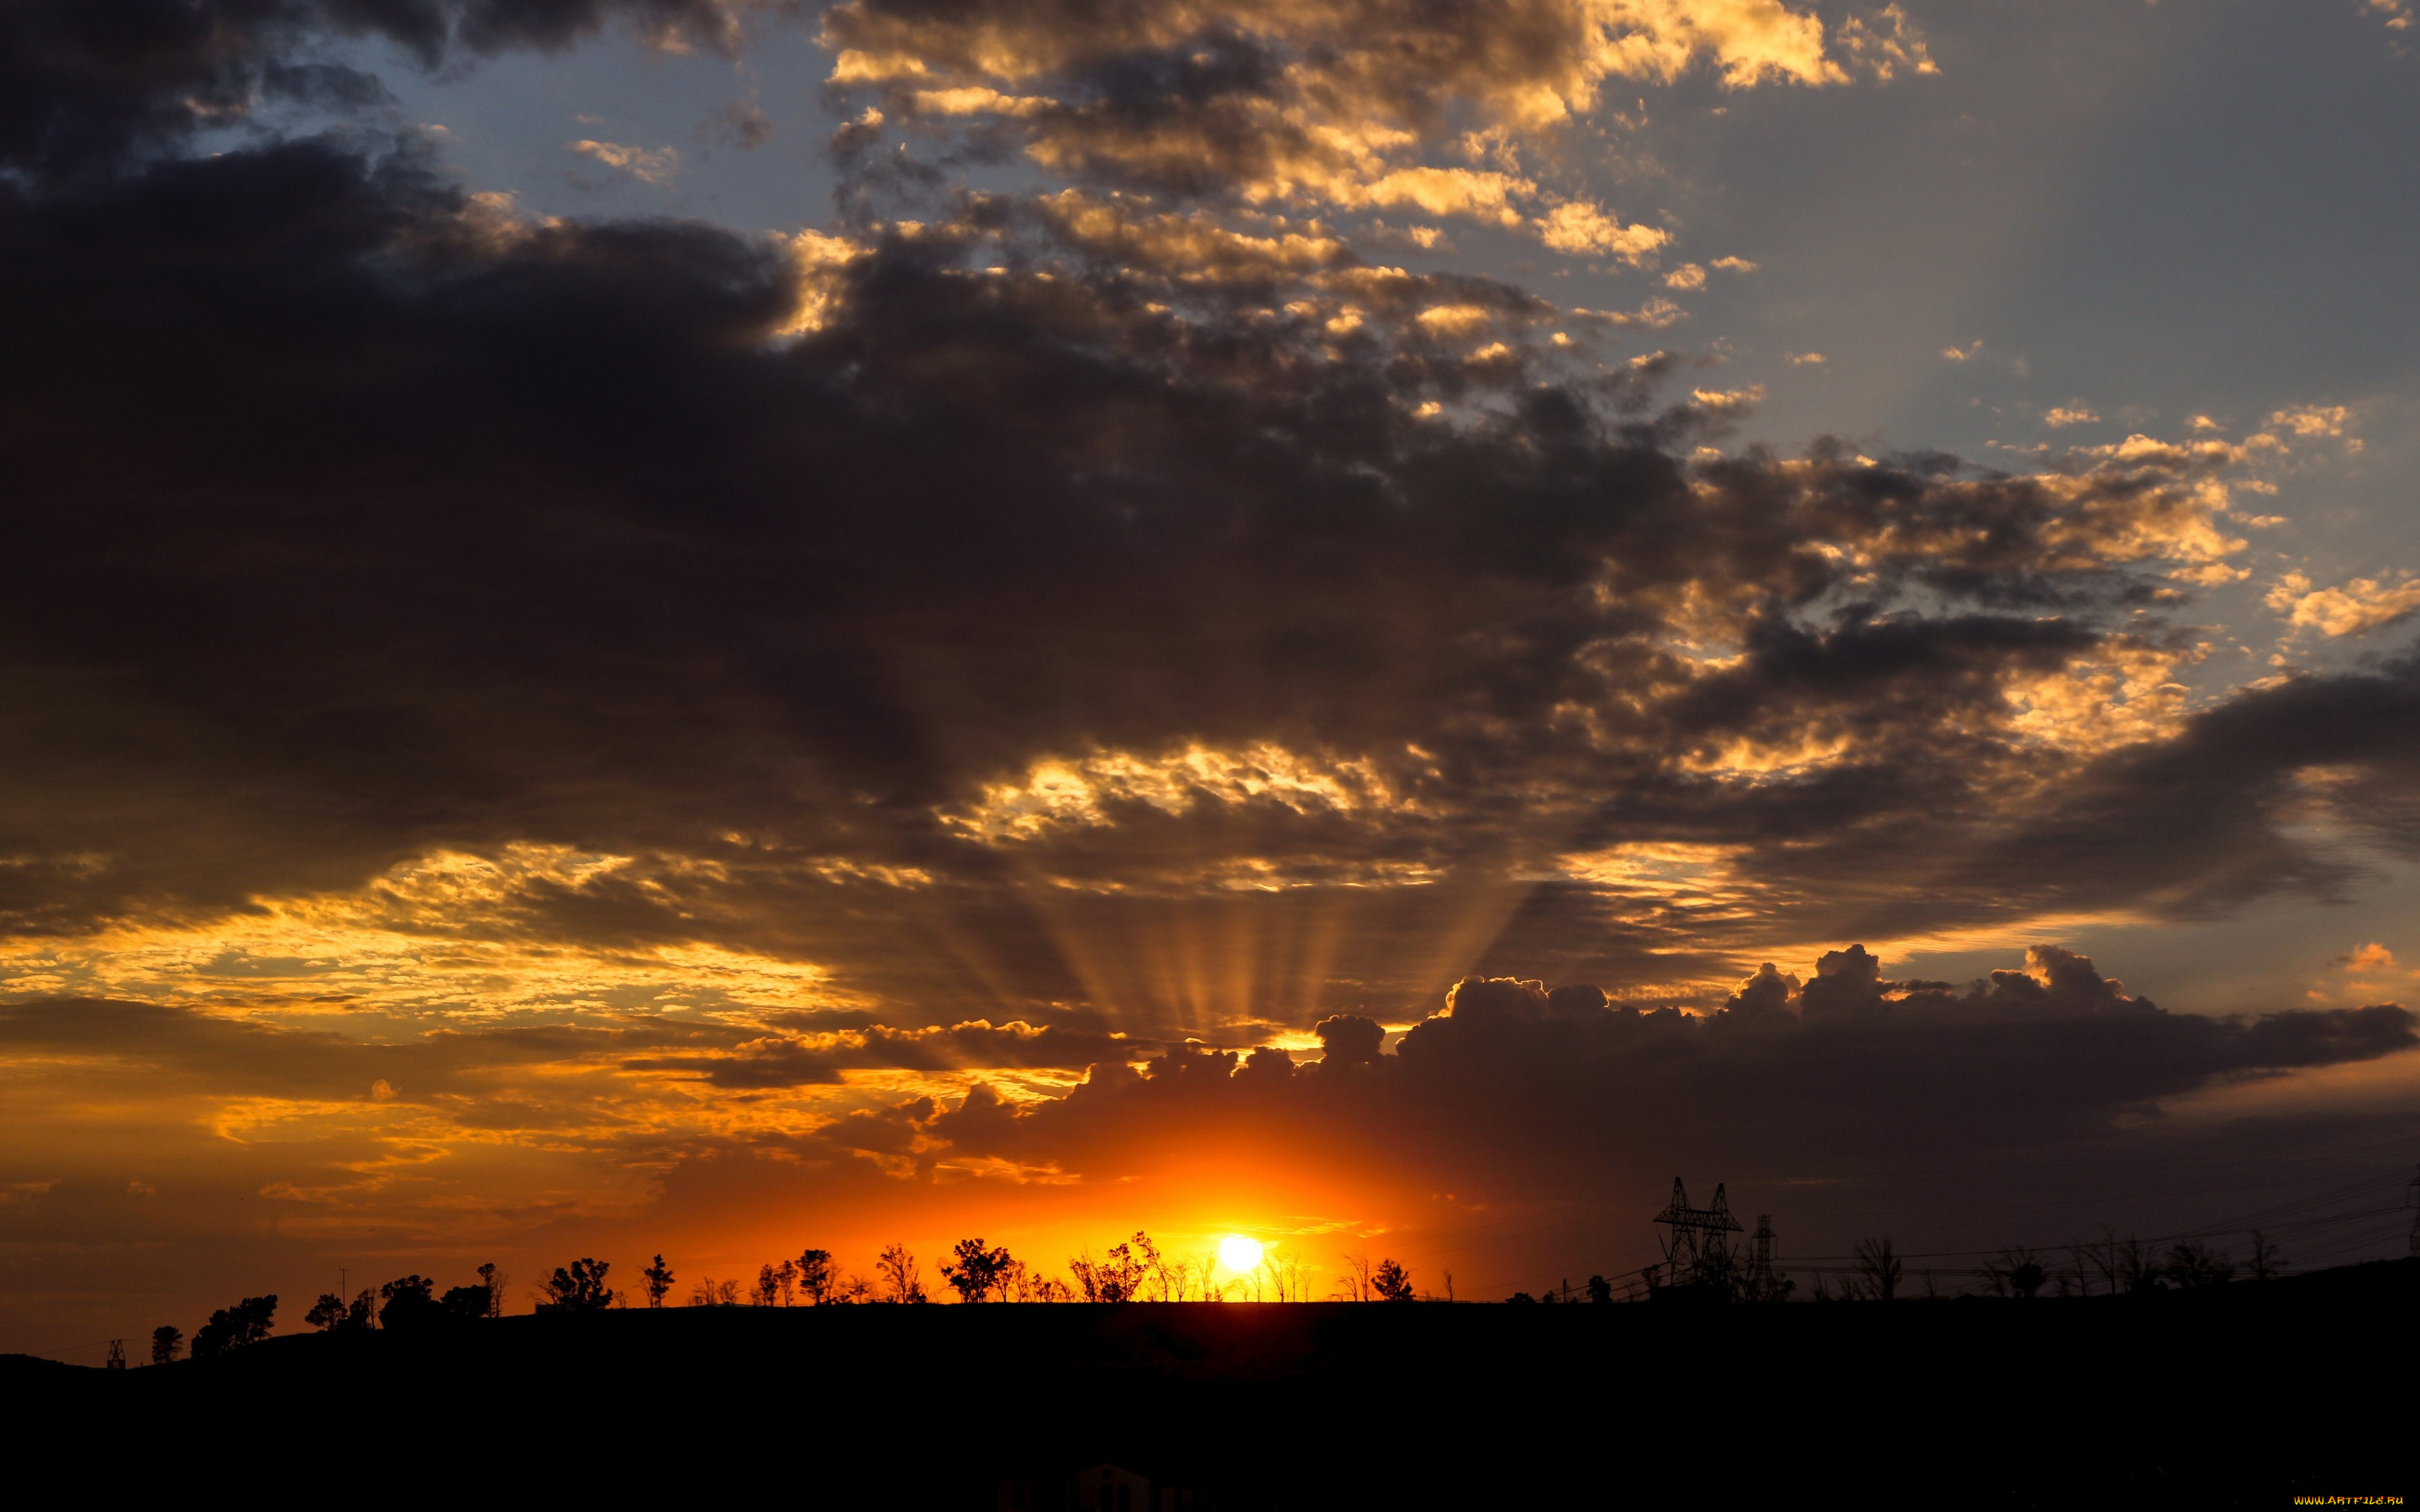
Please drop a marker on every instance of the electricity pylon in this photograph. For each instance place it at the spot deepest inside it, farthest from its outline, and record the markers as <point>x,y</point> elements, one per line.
<point>1697,1250</point>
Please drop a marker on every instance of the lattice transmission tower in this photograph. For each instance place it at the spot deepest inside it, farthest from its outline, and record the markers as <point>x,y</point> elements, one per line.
<point>1758,1280</point>
<point>1698,1244</point>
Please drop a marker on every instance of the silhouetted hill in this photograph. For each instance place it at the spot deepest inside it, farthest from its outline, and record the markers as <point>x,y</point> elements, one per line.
<point>2236,1395</point>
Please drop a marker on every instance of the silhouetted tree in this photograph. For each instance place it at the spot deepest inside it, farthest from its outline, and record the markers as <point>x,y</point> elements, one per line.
<point>495,1281</point>
<point>1015,1282</point>
<point>708,1292</point>
<point>1111,1279</point>
<point>407,1302</point>
<point>464,1304</point>
<point>580,1288</point>
<point>329,1313</point>
<point>2192,1263</point>
<point>1354,1283</point>
<point>167,1341</point>
<point>816,1276</point>
<point>1600,1290</point>
<point>1521,1296</point>
<point>658,1277</point>
<point>1393,1283</point>
<point>2027,1278</point>
<point>2138,1268</point>
<point>2265,1262</point>
<point>1878,1267</point>
<point>973,1271</point>
<point>1285,1277</point>
<point>898,1276</point>
<point>1165,1277</point>
<point>786,1281</point>
<point>248,1321</point>
<point>2096,1259</point>
<point>768,1287</point>
<point>2016,1272</point>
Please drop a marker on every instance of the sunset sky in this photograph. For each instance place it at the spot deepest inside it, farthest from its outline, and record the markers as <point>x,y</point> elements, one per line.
<point>709,626</point>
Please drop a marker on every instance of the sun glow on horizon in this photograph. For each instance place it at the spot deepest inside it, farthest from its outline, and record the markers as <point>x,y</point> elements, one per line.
<point>1239,1254</point>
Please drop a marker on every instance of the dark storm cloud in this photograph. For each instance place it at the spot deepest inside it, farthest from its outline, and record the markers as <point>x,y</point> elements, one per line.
<point>84,83</point>
<point>1513,1088</point>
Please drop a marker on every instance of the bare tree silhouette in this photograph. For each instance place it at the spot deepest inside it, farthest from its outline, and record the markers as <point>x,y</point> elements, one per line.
<point>1015,1283</point>
<point>2265,1262</point>
<point>708,1292</point>
<point>1114,1278</point>
<point>2192,1263</point>
<point>1353,1285</point>
<point>897,1276</point>
<point>1878,1267</point>
<point>495,1281</point>
<point>1285,1277</point>
<point>2098,1259</point>
<point>2138,1268</point>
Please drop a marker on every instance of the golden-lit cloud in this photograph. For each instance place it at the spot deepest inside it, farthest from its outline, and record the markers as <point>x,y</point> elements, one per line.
<point>466,938</point>
<point>1884,45</point>
<point>1337,106</point>
<point>2356,607</point>
<point>1084,792</point>
<point>656,166</point>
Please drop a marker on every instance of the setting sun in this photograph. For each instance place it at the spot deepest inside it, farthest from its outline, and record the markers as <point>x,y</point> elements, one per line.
<point>1238,1254</point>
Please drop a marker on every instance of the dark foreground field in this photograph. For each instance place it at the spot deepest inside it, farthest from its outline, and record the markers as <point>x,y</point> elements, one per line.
<point>2237,1395</point>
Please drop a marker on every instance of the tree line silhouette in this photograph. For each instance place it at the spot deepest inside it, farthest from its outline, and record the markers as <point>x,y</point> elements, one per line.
<point>2108,1266</point>
<point>1139,1269</point>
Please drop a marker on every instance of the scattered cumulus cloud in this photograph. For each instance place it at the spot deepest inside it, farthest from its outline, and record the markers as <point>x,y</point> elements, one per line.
<point>2358,607</point>
<point>1884,45</point>
<point>650,167</point>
